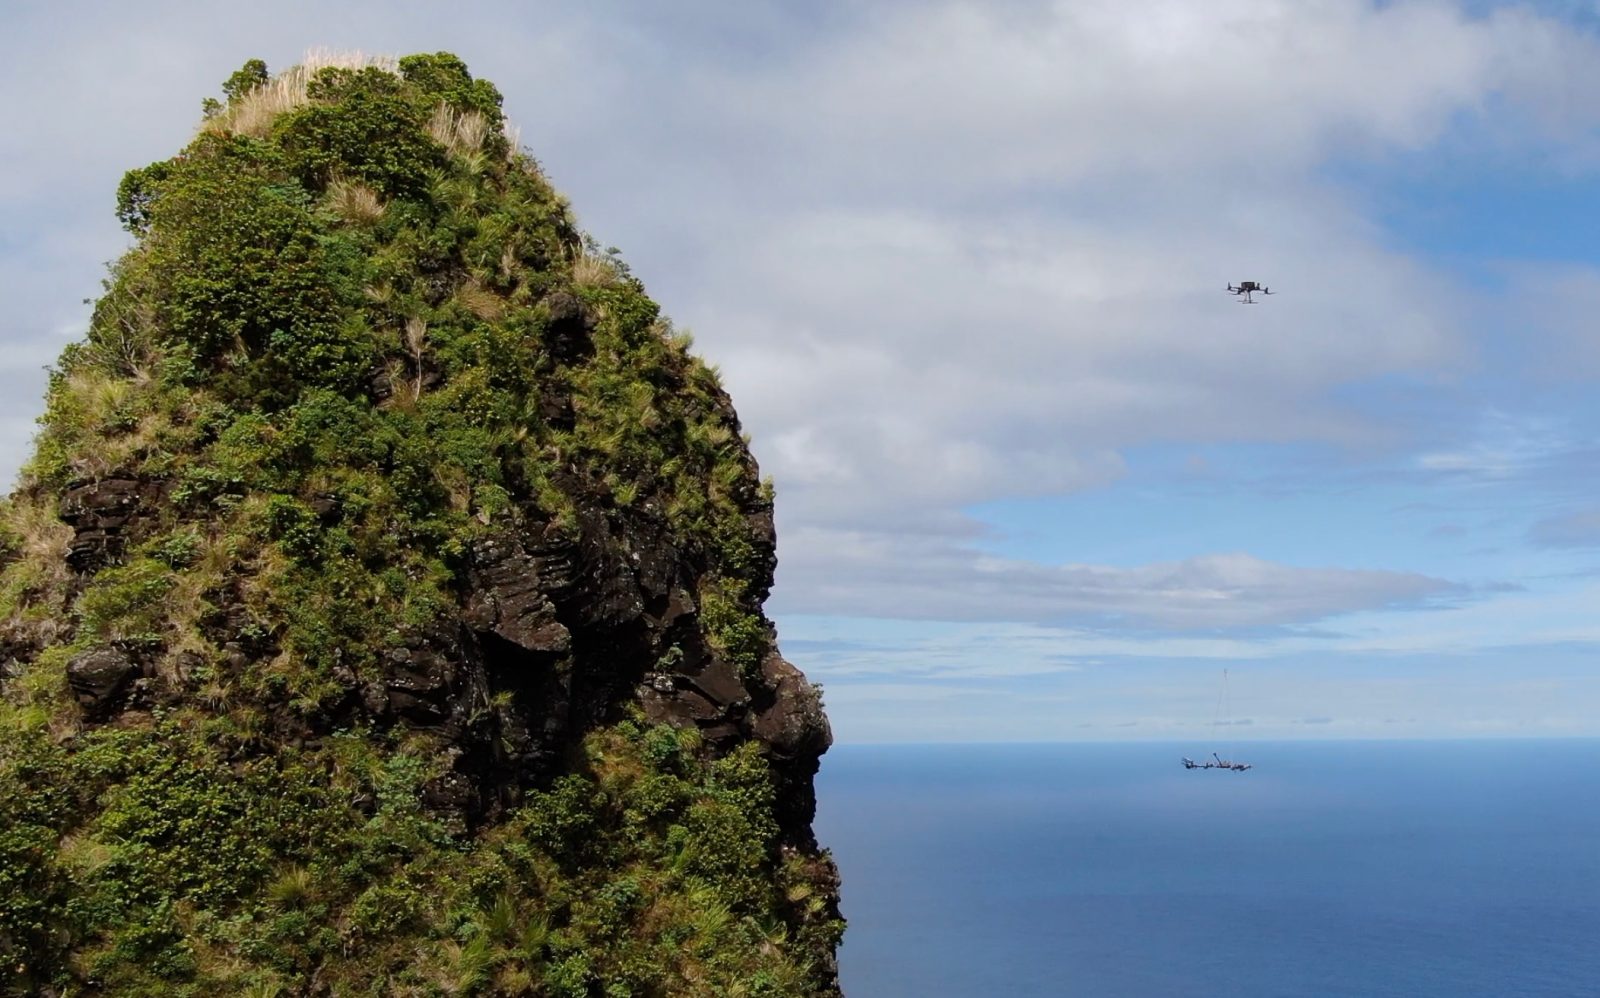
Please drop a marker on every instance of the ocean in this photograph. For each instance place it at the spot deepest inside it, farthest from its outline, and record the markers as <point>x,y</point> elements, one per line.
<point>1414,869</point>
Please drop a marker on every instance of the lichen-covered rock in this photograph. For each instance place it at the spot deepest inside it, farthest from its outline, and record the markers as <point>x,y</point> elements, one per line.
<point>382,609</point>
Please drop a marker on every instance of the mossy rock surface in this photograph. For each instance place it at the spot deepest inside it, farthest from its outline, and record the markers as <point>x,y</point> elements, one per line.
<point>381,610</point>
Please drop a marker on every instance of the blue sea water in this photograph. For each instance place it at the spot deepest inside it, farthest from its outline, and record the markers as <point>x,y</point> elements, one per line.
<point>1414,869</point>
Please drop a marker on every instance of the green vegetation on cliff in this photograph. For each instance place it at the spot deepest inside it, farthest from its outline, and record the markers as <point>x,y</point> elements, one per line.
<point>381,609</point>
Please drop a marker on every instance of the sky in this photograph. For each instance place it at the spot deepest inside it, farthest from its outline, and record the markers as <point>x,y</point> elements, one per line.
<point>963,267</point>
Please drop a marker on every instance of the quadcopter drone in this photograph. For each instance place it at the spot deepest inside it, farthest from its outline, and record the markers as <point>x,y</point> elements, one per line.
<point>1248,288</point>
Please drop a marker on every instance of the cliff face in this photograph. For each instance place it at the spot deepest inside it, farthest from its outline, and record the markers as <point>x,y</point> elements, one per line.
<point>382,606</point>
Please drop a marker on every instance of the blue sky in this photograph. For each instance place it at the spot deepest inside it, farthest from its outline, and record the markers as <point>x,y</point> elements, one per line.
<point>962,266</point>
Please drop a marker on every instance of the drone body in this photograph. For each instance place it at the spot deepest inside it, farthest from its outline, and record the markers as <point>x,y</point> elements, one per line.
<point>1246,289</point>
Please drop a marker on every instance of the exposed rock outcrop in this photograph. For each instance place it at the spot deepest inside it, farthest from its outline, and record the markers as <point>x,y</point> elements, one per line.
<point>103,514</point>
<point>99,678</point>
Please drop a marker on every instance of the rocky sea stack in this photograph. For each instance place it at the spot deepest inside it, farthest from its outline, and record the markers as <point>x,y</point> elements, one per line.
<point>382,605</point>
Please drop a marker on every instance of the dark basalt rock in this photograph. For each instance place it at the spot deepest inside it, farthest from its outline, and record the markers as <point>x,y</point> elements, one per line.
<point>325,505</point>
<point>419,686</point>
<point>568,328</point>
<point>455,792</point>
<point>103,515</point>
<point>100,679</point>
<point>793,723</point>
<point>509,597</point>
<point>16,650</point>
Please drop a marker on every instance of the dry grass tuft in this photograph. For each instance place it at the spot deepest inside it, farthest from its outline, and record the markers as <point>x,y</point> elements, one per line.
<point>481,302</point>
<point>355,202</point>
<point>417,343</point>
<point>294,889</point>
<point>397,381</point>
<point>98,395</point>
<point>84,853</point>
<point>40,535</point>
<point>591,271</point>
<point>320,57</point>
<point>106,409</point>
<point>461,968</point>
<point>461,132</point>
<point>36,584</point>
<point>379,294</point>
<point>254,113</point>
<point>216,695</point>
<point>509,261</point>
<point>457,487</point>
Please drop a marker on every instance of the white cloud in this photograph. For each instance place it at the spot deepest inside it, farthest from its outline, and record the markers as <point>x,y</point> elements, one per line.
<point>929,578</point>
<point>1008,358</point>
<point>1502,446</point>
<point>1063,91</point>
<point>971,252</point>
